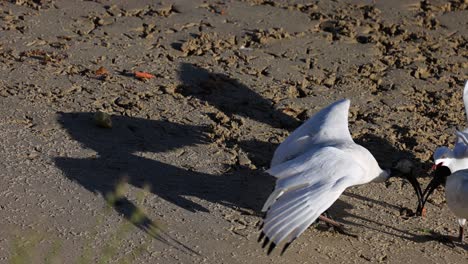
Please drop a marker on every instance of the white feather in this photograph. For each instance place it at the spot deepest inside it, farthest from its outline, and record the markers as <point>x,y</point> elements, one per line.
<point>465,98</point>
<point>305,204</point>
<point>328,125</point>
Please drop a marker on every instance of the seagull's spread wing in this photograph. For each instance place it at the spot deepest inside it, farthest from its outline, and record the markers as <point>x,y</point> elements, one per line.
<point>462,136</point>
<point>465,98</point>
<point>305,189</point>
<point>461,148</point>
<point>328,125</point>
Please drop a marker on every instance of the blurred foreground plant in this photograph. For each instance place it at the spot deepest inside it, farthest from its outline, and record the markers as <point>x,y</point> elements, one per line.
<point>24,249</point>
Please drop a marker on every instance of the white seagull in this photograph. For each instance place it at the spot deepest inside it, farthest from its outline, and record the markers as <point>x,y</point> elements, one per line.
<point>456,193</point>
<point>451,166</point>
<point>456,159</point>
<point>313,167</point>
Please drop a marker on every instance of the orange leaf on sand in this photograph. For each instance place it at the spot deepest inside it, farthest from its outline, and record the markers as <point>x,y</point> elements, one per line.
<point>423,212</point>
<point>143,75</point>
<point>101,71</point>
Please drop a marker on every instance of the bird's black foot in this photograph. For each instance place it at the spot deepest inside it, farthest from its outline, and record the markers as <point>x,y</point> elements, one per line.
<point>461,235</point>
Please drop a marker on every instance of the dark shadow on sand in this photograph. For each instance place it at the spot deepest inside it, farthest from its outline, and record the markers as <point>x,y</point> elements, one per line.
<point>231,96</point>
<point>117,158</point>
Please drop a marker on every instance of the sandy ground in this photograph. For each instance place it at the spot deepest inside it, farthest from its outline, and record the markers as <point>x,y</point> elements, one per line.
<point>187,149</point>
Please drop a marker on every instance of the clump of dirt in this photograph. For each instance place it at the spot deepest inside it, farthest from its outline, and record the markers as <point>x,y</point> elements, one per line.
<point>265,36</point>
<point>43,56</point>
<point>36,4</point>
<point>207,43</point>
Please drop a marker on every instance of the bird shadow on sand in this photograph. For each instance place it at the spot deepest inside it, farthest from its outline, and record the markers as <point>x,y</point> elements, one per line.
<point>387,154</point>
<point>119,158</point>
<point>230,96</point>
<point>416,234</point>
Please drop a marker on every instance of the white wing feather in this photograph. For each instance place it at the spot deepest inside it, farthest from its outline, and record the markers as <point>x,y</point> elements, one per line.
<point>465,98</point>
<point>309,192</point>
<point>295,173</point>
<point>461,146</point>
<point>328,125</point>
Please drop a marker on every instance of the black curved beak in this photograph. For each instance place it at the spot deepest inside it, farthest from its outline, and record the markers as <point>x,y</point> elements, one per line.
<point>440,174</point>
<point>417,187</point>
<point>414,182</point>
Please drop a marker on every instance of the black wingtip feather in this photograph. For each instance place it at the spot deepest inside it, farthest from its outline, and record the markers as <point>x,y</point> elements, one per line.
<point>260,237</point>
<point>270,249</point>
<point>261,226</point>
<point>267,240</point>
<point>285,247</point>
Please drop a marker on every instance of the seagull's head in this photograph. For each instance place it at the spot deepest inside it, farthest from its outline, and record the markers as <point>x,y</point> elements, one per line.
<point>404,169</point>
<point>443,156</point>
<point>441,173</point>
<point>443,162</point>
